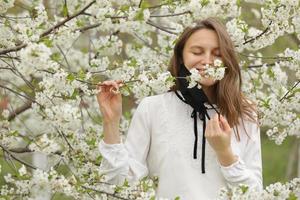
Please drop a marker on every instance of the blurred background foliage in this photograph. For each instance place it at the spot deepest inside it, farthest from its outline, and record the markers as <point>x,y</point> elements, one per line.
<point>279,162</point>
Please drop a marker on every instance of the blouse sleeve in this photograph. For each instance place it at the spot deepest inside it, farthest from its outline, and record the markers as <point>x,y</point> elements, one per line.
<point>248,168</point>
<point>128,160</point>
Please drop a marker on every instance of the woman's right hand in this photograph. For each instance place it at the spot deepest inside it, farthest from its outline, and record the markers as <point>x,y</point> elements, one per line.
<point>110,100</point>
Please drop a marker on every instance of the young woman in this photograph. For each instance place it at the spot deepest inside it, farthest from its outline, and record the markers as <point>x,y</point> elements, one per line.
<point>166,130</point>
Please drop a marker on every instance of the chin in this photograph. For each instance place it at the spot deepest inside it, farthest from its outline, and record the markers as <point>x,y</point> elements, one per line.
<point>207,82</point>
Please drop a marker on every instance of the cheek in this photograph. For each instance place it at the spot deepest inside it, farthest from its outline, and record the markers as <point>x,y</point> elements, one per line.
<point>190,60</point>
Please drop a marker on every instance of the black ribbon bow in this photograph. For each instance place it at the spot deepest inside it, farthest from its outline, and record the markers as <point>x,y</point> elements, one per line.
<point>196,98</point>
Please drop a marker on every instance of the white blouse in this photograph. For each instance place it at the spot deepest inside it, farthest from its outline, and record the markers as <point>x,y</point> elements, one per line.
<point>160,143</point>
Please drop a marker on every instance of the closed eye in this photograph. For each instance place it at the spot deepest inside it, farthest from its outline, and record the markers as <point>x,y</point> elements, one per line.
<point>197,53</point>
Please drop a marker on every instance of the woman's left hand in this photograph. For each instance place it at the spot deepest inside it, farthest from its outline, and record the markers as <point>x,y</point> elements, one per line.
<point>218,134</point>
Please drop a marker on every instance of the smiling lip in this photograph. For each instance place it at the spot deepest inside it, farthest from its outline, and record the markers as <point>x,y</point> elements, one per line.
<point>201,70</point>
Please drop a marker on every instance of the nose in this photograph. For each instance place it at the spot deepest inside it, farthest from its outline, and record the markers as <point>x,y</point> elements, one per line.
<point>207,59</point>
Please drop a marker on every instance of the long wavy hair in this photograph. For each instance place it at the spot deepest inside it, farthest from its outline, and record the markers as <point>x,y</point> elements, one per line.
<point>228,94</point>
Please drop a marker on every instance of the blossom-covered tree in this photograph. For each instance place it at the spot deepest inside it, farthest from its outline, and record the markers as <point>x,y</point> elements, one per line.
<point>54,52</point>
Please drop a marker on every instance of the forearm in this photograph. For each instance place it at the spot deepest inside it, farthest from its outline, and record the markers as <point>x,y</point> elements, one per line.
<point>226,158</point>
<point>111,132</point>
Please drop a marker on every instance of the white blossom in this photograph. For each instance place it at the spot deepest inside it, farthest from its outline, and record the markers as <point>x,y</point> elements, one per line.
<point>194,78</point>
<point>22,170</point>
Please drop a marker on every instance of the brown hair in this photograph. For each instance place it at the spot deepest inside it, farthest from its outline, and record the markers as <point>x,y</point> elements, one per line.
<point>229,97</point>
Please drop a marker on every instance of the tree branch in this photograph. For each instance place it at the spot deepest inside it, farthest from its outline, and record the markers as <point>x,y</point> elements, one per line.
<point>172,15</point>
<point>258,66</point>
<point>267,57</point>
<point>140,4</point>
<point>290,90</point>
<point>103,192</point>
<point>65,138</point>
<point>85,28</point>
<point>258,36</point>
<point>20,110</point>
<point>16,158</point>
<point>160,28</point>
<point>17,48</point>
<point>17,93</point>
<point>66,20</point>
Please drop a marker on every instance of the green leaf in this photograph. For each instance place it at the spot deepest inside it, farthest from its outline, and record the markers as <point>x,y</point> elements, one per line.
<point>81,74</point>
<point>34,53</point>
<point>124,8</point>
<point>91,142</point>
<point>79,23</point>
<point>270,73</point>
<point>75,94</point>
<point>244,188</point>
<point>47,41</point>
<point>204,2</point>
<point>177,198</point>
<point>65,10</point>
<point>145,4</point>
<point>14,133</point>
<point>133,62</point>
<point>55,57</point>
<point>71,77</point>
<point>140,15</point>
<point>292,196</point>
<point>266,103</point>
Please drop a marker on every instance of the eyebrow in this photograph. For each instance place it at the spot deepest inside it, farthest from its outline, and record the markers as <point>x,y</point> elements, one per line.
<point>200,47</point>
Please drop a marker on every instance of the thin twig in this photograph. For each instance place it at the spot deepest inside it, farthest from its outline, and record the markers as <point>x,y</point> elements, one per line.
<point>147,44</point>
<point>47,32</point>
<point>14,17</point>
<point>258,36</point>
<point>10,57</point>
<point>157,6</point>
<point>17,93</point>
<point>66,20</point>
<point>12,49</point>
<point>259,66</point>
<point>160,28</point>
<point>65,57</point>
<point>85,28</point>
<point>267,57</point>
<point>20,110</point>
<point>21,150</point>
<point>140,4</point>
<point>11,163</point>
<point>103,192</point>
<point>65,138</point>
<point>28,83</point>
<point>17,159</point>
<point>172,15</point>
<point>295,85</point>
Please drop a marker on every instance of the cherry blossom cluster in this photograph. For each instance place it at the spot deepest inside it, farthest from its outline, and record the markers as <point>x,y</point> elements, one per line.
<point>54,53</point>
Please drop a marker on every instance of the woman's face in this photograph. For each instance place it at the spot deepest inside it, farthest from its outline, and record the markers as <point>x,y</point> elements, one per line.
<point>201,48</point>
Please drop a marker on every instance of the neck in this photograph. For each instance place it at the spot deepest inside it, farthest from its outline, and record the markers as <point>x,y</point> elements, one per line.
<point>209,91</point>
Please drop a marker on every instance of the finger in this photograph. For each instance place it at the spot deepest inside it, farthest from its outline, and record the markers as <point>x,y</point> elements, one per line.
<point>215,124</point>
<point>103,86</point>
<point>208,130</point>
<point>115,88</point>
<point>224,123</point>
<point>110,86</point>
<point>99,89</point>
<point>120,83</point>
